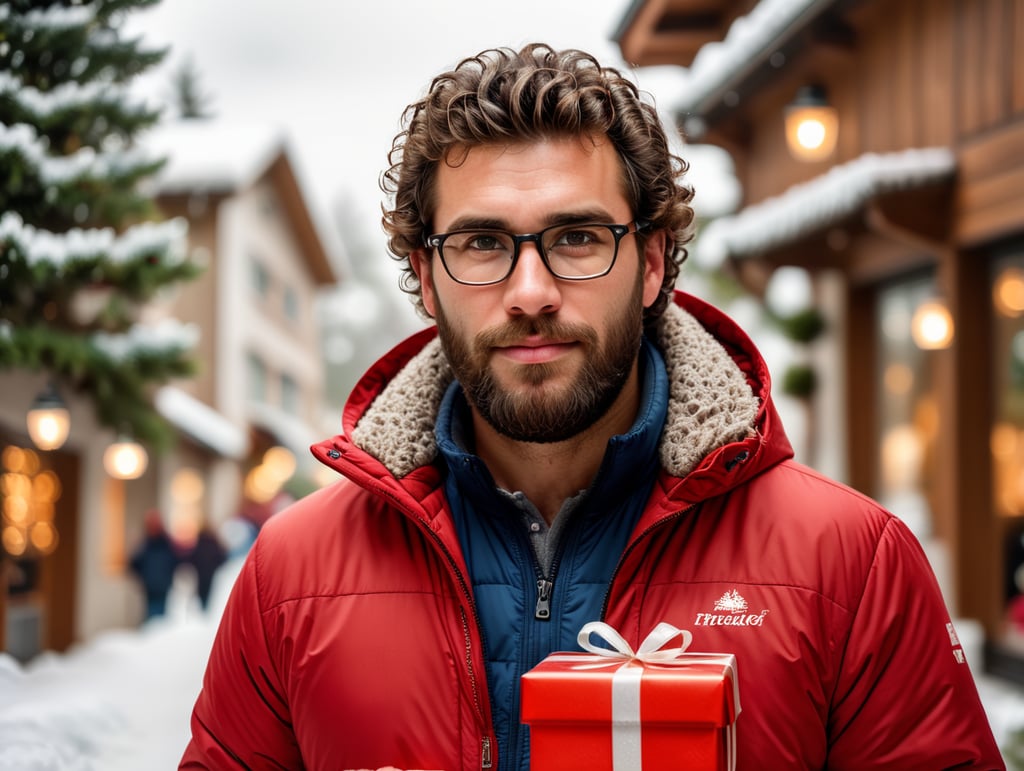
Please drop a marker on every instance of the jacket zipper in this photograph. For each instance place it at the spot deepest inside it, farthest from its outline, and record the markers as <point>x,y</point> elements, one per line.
<point>370,484</point>
<point>630,547</point>
<point>486,759</point>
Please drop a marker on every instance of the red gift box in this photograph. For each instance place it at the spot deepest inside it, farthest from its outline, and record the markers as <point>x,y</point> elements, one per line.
<point>653,710</point>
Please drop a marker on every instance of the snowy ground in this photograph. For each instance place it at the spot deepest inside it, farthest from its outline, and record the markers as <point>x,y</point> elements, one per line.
<point>122,701</point>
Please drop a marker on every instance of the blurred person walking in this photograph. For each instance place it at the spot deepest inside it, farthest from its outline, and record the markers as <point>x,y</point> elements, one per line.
<point>206,556</point>
<point>154,563</point>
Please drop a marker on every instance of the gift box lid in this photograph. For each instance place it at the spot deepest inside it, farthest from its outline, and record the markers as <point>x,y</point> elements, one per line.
<point>695,688</point>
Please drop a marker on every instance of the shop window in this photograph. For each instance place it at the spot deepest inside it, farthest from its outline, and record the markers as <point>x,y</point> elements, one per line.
<point>908,415</point>
<point>29,493</point>
<point>1006,439</point>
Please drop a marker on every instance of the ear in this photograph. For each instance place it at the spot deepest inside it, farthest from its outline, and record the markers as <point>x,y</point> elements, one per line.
<point>654,265</point>
<point>420,260</point>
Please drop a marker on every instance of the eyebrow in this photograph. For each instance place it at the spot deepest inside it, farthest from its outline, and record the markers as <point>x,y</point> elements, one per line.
<point>473,222</point>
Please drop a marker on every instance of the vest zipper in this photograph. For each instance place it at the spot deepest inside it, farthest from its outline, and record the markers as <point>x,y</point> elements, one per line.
<point>543,609</point>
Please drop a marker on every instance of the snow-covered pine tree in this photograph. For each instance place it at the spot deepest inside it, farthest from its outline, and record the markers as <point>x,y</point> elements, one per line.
<point>80,248</point>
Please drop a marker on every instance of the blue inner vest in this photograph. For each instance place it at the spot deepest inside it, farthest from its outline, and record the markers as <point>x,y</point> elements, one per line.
<point>534,587</point>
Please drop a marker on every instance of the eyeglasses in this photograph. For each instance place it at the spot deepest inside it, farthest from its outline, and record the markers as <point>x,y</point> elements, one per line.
<point>479,257</point>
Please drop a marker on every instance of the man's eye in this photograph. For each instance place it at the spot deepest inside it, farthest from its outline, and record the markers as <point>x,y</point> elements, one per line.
<point>484,242</point>
<point>577,237</point>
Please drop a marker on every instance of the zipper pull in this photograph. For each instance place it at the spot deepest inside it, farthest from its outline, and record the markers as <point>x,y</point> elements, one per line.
<point>485,753</point>
<point>543,610</point>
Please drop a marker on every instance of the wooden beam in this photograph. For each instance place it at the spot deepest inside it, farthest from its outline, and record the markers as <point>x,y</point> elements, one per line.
<point>676,47</point>
<point>965,458</point>
<point>919,217</point>
<point>635,39</point>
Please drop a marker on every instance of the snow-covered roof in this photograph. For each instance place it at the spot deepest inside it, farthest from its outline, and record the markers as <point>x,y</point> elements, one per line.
<point>215,156</point>
<point>211,155</point>
<point>814,205</point>
<point>748,39</point>
<point>289,430</point>
<point>200,421</point>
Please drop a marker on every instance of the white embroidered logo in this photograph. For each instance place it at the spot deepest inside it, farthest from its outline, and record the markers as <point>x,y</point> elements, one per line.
<point>732,602</point>
<point>731,609</point>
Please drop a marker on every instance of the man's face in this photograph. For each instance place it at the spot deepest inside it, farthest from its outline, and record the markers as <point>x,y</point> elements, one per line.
<point>540,358</point>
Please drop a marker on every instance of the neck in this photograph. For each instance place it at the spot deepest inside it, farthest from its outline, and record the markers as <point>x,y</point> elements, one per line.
<point>548,473</point>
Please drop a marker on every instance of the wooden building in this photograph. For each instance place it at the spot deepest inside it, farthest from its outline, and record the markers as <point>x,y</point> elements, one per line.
<point>918,207</point>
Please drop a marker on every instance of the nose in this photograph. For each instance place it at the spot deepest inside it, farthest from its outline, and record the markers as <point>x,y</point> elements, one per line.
<point>531,289</point>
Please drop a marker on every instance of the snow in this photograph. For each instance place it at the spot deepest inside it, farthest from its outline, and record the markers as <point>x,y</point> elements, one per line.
<point>820,202</point>
<point>748,37</point>
<point>212,155</point>
<point>201,422</point>
<point>67,95</point>
<point>166,335</point>
<point>55,170</point>
<point>41,246</point>
<point>58,17</point>
<point>121,701</point>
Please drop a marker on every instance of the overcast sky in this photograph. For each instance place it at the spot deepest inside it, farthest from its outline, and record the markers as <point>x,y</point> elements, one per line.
<point>335,75</point>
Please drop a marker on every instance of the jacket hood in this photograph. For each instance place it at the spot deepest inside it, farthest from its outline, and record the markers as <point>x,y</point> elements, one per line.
<point>719,394</point>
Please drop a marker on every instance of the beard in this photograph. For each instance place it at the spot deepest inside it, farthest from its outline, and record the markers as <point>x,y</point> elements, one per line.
<point>533,412</point>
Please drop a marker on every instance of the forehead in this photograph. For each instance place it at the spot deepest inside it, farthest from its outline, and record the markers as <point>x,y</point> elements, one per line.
<point>527,184</point>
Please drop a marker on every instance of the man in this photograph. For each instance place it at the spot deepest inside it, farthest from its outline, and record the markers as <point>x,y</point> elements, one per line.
<point>573,442</point>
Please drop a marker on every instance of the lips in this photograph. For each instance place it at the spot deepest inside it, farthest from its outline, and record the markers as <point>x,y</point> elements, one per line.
<point>536,351</point>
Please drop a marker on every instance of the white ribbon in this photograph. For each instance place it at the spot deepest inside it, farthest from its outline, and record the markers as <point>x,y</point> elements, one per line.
<point>626,729</point>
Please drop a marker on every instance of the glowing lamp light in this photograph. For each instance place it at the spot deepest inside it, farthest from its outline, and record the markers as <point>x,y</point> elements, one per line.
<point>812,125</point>
<point>47,420</point>
<point>932,326</point>
<point>125,459</point>
<point>1008,293</point>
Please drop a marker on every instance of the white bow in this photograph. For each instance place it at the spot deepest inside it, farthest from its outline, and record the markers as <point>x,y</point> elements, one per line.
<point>652,649</point>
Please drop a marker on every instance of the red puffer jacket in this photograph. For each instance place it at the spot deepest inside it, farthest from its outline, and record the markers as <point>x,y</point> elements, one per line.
<point>350,639</point>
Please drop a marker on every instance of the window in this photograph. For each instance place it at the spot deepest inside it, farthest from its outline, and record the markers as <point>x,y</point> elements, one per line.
<point>257,385</point>
<point>289,395</point>
<point>908,415</point>
<point>291,303</point>
<point>259,277</point>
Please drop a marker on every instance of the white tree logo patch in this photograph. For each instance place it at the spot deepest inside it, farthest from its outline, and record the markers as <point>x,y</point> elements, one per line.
<point>732,602</point>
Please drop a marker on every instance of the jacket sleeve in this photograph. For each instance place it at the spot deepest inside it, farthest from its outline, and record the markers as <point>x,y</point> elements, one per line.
<point>905,697</point>
<point>241,718</point>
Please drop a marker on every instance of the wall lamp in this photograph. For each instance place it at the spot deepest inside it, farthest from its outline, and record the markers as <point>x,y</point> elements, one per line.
<point>932,326</point>
<point>125,459</point>
<point>812,125</point>
<point>47,420</point>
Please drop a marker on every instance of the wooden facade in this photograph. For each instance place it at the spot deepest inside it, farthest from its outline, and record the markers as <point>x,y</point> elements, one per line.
<point>903,74</point>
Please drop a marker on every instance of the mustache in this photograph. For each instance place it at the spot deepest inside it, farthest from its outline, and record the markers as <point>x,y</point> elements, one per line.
<point>515,330</point>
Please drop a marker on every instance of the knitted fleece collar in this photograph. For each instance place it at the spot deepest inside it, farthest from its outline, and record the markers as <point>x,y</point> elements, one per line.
<point>710,402</point>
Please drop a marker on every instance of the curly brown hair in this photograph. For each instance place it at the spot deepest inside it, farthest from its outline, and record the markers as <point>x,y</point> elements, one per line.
<point>503,95</point>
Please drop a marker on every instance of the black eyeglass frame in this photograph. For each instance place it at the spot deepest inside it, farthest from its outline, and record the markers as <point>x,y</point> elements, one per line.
<point>436,241</point>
